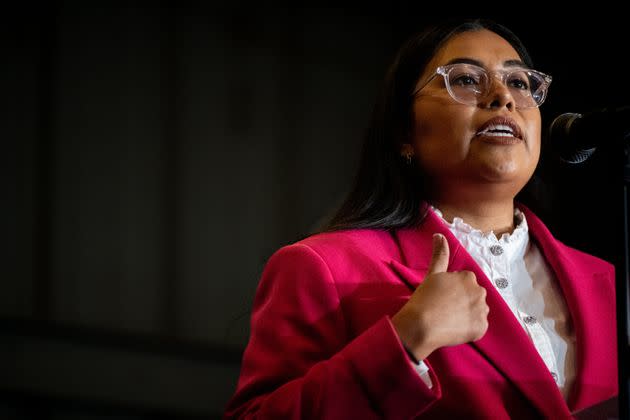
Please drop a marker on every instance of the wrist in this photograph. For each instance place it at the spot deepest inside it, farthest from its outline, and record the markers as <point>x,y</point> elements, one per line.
<point>413,335</point>
<point>412,356</point>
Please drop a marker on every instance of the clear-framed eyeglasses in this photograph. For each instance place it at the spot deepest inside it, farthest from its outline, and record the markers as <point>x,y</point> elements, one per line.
<point>469,84</point>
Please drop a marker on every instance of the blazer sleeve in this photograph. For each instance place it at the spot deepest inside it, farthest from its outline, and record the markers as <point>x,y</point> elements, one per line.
<point>301,363</point>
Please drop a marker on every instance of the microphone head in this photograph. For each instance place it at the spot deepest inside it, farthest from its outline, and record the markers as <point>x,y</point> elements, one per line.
<point>561,125</point>
<point>565,142</point>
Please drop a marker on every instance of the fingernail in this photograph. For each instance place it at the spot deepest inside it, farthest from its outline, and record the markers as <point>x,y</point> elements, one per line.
<point>437,237</point>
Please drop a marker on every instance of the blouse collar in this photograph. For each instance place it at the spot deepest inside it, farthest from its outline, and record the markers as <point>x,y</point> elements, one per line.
<point>515,243</point>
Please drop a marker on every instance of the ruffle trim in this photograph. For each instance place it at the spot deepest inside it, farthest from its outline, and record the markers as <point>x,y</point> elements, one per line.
<point>520,231</point>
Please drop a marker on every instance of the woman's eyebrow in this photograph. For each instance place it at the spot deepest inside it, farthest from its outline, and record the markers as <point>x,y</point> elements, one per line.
<point>467,60</point>
<point>515,63</point>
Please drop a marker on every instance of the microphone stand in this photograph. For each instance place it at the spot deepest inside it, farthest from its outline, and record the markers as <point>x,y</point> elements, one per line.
<point>616,174</point>
<point>619,159</point>
<point>623,292</point>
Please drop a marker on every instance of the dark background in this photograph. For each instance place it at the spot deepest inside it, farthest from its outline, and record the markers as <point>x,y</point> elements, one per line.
<point>155,156</point>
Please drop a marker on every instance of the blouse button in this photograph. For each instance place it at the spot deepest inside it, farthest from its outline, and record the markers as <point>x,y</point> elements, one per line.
<point>529,319</point>
<point>554,375</point>
<point>501,282</point>
<point>496,250</point>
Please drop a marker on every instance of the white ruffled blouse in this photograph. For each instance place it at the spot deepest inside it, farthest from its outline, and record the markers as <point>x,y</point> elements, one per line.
<point>521,275</point>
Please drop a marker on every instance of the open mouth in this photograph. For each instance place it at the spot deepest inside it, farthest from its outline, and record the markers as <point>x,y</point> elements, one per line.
<point>500,127</point>
<point>497,131</point>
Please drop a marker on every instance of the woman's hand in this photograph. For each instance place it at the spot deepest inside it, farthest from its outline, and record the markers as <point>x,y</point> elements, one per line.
<point>445,310</point>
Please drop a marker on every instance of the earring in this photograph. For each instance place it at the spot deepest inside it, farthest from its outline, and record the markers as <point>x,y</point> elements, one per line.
<point>407,153</point>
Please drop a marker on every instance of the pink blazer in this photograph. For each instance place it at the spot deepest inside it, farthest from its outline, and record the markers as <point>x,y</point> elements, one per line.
<point>322,344</point>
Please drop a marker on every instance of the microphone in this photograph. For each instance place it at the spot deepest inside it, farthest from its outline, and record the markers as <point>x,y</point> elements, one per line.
<point>575,137</point>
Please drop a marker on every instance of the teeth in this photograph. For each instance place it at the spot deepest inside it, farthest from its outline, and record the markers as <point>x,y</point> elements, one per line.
<point>496,134</point>
<point>498,130</point>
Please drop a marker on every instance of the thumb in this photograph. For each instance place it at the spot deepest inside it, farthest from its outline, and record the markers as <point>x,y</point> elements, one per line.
<point>440,255</point>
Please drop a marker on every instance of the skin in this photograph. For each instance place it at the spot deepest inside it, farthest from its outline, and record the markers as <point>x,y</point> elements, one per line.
<point>470,177</point>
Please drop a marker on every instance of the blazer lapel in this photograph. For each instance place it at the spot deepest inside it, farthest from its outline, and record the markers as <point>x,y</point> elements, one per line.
<point>506,345</point>
<point>589,311</point>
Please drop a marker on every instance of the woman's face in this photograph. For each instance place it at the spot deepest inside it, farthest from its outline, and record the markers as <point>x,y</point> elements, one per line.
<point>445,134</point>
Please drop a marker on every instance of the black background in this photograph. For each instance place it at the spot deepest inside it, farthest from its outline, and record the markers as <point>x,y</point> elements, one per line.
<point>155,155</point>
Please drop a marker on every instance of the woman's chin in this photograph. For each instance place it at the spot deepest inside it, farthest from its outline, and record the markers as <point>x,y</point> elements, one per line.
<point>503,169</point>
<point>506,181</point>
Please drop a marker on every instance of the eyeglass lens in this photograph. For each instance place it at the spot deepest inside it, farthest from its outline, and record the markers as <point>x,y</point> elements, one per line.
<point>468,84</point>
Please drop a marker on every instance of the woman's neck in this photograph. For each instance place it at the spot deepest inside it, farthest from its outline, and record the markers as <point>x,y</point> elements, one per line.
<point>497,217</point>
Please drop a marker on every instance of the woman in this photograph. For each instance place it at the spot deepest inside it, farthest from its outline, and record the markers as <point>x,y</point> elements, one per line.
<point>433,293</point>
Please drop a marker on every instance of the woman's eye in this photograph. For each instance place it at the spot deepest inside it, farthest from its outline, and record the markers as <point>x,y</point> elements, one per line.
<point>519,83</point>
<point>465,80</point>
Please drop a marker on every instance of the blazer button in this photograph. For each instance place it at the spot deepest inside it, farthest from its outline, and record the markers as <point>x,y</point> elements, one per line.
<point>501,282</point>
<point>496,250</point>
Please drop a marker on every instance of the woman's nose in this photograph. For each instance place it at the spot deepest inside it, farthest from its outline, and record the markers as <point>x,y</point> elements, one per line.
<point>498,95</point>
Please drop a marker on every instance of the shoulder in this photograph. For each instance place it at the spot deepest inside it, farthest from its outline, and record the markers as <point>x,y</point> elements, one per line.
<point>585,260</point>
<point>336,250</point>
<point>580,261</point>
<point>363,241</point>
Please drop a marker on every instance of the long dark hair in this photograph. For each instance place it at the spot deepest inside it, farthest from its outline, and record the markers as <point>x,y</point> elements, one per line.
<point>387,193</point>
